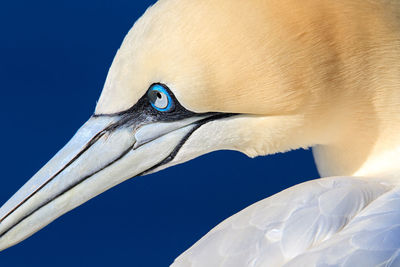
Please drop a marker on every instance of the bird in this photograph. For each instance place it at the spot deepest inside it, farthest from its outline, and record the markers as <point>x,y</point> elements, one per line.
<point>259,77</point>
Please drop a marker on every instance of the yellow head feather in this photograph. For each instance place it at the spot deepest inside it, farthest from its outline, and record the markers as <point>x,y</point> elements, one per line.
<point>328,68</point>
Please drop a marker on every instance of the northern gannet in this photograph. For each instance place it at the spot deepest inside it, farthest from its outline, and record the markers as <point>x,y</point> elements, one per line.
<point>260,77</point>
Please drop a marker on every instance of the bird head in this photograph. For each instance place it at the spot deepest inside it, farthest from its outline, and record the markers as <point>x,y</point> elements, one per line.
<point>192,77</point>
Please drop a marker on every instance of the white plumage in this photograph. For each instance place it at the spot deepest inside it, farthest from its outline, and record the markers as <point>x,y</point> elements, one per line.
<point>260,77</point>
<point>339,221</point>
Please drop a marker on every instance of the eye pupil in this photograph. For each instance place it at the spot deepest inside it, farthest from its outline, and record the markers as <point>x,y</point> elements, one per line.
<point>160,98</point>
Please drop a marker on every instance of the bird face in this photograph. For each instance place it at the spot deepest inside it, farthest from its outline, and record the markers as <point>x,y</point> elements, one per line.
<point>181,85</point>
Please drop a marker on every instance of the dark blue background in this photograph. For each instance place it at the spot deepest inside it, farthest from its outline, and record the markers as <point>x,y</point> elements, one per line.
<point>54,57</point>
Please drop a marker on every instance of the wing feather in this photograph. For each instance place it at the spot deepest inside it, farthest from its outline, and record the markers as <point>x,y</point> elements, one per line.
<point>332,221</point>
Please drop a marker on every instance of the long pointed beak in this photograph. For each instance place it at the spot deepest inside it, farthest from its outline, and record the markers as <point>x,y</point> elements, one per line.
<point>104,152</point>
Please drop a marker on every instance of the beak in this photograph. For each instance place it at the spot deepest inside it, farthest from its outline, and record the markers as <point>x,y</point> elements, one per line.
<point>106,151</point>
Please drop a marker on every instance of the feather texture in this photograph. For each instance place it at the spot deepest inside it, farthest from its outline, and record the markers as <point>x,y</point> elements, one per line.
<point>340,221</point>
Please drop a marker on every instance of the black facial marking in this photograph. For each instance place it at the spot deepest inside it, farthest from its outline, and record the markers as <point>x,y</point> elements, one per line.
<point>143,113</point>
<point>140,114</point>
<point>173,154</point>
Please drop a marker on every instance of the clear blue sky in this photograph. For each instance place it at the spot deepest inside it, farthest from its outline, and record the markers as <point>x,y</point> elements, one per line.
<point>54,57</point>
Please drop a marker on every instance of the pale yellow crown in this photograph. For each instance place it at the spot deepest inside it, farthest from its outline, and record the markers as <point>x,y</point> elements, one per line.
<point>333,64</point>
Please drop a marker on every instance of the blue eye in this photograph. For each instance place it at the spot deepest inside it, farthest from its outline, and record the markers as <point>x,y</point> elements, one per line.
<point>159,98</point>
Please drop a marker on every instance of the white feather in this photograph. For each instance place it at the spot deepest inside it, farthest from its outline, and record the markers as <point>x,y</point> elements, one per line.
<point>340,221</point>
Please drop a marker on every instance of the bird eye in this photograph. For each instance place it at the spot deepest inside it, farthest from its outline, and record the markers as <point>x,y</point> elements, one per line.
<point>159,98</point>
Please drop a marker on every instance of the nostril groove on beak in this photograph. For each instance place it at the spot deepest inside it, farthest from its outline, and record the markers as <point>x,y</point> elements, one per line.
<point>68,188</point>
<point>86,147</point>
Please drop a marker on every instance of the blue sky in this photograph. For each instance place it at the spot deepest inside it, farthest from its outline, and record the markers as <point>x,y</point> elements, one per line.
<point>54,59</point>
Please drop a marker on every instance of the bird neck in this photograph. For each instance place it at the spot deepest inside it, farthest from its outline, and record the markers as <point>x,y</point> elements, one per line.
<point>361,135</point>
<point>359,113</point>
<point>369,150</point>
